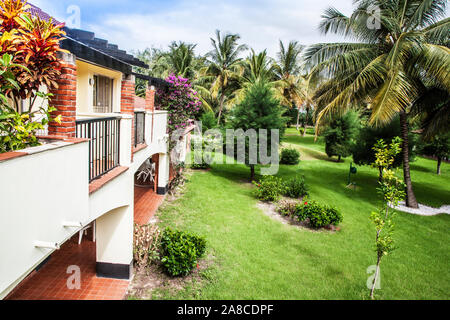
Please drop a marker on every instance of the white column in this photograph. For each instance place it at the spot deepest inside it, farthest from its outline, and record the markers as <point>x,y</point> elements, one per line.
<point>114,242</point>
<point>126,126</point>
<point>163,174</point>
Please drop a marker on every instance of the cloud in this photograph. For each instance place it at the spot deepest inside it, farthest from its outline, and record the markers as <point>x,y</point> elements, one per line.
<point>139,24</point>
<point>261,24</point>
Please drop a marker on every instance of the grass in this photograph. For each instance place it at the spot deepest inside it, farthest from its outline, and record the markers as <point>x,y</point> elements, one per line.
<point>256,257</point>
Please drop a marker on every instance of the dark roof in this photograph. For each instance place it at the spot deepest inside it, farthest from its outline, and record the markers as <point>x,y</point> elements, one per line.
<point>88,38</point>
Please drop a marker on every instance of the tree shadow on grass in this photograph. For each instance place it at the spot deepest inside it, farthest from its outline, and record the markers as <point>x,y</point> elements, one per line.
<point>417,167</point>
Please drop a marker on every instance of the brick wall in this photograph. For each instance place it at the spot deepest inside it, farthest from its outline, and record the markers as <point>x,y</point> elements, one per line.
<point>150,99</point>
<point>64,100</point>
<point>127,96</point>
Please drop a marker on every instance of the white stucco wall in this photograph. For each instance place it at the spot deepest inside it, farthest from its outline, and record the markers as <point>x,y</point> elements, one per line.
<point>38,193</point>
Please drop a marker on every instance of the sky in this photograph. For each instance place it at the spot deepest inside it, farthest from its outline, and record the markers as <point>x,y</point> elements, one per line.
<point>139,24</point>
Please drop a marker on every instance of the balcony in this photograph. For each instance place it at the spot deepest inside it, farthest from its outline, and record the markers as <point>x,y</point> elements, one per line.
<point>104,144</point>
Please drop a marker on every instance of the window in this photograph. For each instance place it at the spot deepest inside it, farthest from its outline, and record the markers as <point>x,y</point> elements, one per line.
<point>103,94</point>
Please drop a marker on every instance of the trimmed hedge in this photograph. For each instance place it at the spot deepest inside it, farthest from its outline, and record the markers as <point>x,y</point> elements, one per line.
<point>181,251</point>
<point>290,157</point>
<point>315,214</point>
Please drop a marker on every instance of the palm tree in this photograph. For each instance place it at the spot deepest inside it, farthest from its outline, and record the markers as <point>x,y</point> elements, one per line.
<point>224,64</point>
<point>385,64</point>
<point>182,60</point>
<point>294,88</point>
<point>258,67</point>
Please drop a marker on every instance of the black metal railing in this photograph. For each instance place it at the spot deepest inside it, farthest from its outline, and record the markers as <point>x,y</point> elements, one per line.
<point>104,144</point>
<point>139,128</point>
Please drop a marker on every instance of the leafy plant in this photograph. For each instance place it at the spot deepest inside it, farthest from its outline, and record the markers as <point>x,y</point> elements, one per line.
<point>296,187</point>
<point>146,244</point>
<point>392,190</point>
<point>290,157</point>
<point>34,44</point>
<point>385,155</point>
<point>317,215</point>
<point>18,130</point>
<point>28,49</point>
<point>181,251</point>
<point>269,188</point>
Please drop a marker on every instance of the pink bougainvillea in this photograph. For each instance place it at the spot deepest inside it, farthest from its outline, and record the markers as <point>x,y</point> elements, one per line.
<point>180,100</point>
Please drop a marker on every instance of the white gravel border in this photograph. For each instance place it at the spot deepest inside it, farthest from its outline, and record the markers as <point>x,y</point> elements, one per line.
<point>424,210</point>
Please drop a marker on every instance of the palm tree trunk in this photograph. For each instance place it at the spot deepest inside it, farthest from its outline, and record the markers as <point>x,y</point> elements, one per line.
<point>439,165</point>
<point>305,122</point>
<point>298,119</point>
<point>411,200</point>
<point>222,100</point>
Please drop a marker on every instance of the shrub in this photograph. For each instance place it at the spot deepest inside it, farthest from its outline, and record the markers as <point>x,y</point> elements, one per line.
<point>146,243</point>
<point>181,251</point>
<point>290,157</point>
<point>334,215</point>
<point>296,188</point>
<point>269,188</point>
<point>318,216</point>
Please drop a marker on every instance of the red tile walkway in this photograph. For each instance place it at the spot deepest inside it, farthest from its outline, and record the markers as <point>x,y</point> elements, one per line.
<point>50,282</point>
<point>146,203</point>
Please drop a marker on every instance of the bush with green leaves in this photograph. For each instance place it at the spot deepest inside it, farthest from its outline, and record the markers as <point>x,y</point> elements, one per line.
<point>269,188</point>
<point>181,251</point>
<point>317,215</point>
<point>296,188</point>
<point>290,157</point>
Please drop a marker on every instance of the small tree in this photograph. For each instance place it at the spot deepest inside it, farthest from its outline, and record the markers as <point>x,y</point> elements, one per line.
<point>340,135</point>
<point>438,147</point>
<point>258,110</point>
<point>385,155</point>
<point>393,191</point>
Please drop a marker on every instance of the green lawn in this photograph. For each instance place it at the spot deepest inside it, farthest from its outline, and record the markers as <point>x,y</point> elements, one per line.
<point>256,257</point>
